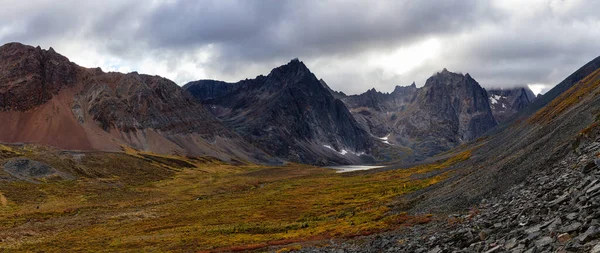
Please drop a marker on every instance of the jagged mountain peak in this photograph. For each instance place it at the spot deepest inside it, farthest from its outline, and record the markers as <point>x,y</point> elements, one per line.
<point>46,99</point>
<point>336,94</point>
<point>294,67</point>
<point>447,78</point>
<point>372,90</point>
<point>506,102</point>
<point>290,113</point>
<point>403,89</point>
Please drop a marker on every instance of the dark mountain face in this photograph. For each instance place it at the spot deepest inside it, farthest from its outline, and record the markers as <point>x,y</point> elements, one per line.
<point>31,76</point>
<point>507,102</point>
<point>449,110</point>
<point>562,134</point>
<point>46,99</point>
<point>290,114</point>
<point>376,111</point>
<point>336,94</point>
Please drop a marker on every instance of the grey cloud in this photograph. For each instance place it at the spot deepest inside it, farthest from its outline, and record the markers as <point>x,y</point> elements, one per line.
<point>499,47</point>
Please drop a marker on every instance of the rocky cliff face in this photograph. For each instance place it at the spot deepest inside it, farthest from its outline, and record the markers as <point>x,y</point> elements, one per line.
<point>31,76</point>
<point>290,114</point>
<point>507,102</point>
<point>534,186</point>
<point>377,111</point>
<point>46,99</point>
<point>451,109</point>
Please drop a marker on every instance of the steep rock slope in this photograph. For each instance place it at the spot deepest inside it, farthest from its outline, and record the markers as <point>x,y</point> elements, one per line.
<point>377,111</point>
<point>508,102</point>
<point>46,99</point>
<point>533,143</point>
<point>451,109</point>
<point>533,187</point>
<point>290,114</point>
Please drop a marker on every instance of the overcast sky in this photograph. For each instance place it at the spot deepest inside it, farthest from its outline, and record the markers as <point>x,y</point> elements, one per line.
<point>353,45</point>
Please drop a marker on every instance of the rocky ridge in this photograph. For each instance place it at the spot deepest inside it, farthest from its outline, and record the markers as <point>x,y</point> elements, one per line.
<point>450,110</point>
<point>46,99</point>
<point>288,113</point>
<point>533,186</point>
<point>507,102</point>
<point>556,210</point>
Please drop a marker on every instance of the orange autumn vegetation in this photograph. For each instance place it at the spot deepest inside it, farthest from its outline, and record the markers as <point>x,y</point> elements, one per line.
<point>568,98</point>
<point>210,206</point>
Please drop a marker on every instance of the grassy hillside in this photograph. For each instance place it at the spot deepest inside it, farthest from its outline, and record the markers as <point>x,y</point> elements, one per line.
<point>136,201</point>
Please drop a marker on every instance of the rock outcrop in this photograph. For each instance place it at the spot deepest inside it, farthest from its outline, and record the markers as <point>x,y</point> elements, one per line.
<point>533,186</point>
<point>451,109</point>
<point>290,114</point>
<point>46,99</point>
<point>507,102</point>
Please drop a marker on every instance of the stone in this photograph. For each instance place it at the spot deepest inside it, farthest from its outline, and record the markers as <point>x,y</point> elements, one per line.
<point>484,234</point>
<point>596,249</point>
<point>533,229</point>
<point>590,234</point>
<point>564,237</point>
<point>571,227</point>
<point>437,249</point>
<point>591,166</point>
<point>510,243</point>
<point>544,241</point>
<point>494,249</point>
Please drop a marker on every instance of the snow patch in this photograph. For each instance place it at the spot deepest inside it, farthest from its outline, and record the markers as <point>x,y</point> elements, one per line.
<point>494,99</point>
<point>344,152</point>
<point>350,168</point>
<point>385,139</point>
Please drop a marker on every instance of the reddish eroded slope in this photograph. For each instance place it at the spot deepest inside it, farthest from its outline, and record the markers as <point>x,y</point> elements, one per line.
<point>46,99</point>
<point>30,76</point>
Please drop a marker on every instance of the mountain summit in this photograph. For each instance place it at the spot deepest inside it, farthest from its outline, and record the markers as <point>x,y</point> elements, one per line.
<point>46,99</point>
<point>507,102</point>
<point>289,113</point>
<point>451,109</point>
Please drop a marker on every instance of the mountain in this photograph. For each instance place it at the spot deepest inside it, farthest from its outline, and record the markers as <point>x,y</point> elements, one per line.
<point>336,94</point>
<point>46,99</point>
<point>532,185</point>
<point>562,132</point>
<point>290,114</point>
<point>451,109</point>
<point>507,102</point>
<point>377,111</point>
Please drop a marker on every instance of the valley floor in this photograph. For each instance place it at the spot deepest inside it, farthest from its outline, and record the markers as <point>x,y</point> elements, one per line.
<point>137,201</point>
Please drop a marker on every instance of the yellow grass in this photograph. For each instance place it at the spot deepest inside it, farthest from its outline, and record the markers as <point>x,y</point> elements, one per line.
<point>569,98</point>
<point>210,206</point>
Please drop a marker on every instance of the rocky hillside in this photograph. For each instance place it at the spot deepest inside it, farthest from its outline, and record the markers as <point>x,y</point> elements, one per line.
<point>507,102</point>
<point>290,114</point>
<point>555,210</point>
<point>532,187</point>
<point>46,99</point>
<point>377,111</point>
<point>451,109</point>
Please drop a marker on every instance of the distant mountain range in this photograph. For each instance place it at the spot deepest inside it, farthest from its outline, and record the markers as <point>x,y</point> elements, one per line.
<point>451,109</point>
<point>507,102</point>
<point>287,115</point>
<point>46,99</point>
